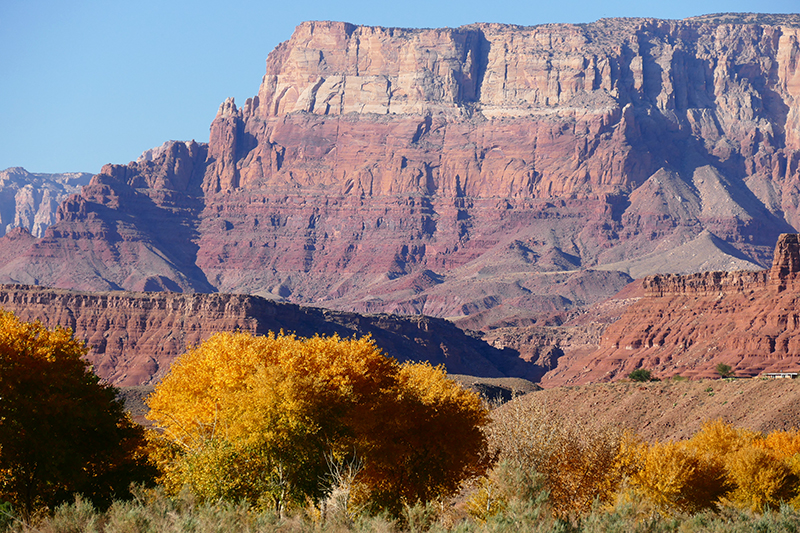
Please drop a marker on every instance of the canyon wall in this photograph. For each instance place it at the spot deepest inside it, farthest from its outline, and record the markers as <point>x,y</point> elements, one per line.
<point>688,325</point>
<point>135,337</point>
<point>30,200</point>
<point>486,174</point>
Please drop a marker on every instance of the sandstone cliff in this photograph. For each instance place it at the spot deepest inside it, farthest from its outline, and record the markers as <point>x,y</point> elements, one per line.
<point>688,324</point>
<point>134,337</point>
<point>486,173</point>
<point>30,201</point>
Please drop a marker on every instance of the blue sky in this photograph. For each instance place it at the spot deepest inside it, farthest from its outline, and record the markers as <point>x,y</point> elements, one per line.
<point>84,83</point>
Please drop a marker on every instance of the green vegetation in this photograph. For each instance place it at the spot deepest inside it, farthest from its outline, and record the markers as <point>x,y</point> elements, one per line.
<point>641,375</point>
<point>528,510</point>
<point>725,371</point>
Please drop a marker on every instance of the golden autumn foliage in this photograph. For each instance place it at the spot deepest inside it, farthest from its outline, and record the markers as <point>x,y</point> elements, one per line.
<point>784,444</point>
<point>578,464</point>
<point>718,439</point>
<point>760,478</point>
<point>62,432</point>
<point>429,442</point>
<point>755,471</point>
<point>673,477</point>
<point>719,464</point>
<point>261,417</point>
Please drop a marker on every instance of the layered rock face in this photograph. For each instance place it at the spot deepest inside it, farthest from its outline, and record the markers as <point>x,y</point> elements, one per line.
<point>134,337</point>
<point>30,201</point>
<point>688,324</point>
<point>486,173</point>
<point>132,227</point>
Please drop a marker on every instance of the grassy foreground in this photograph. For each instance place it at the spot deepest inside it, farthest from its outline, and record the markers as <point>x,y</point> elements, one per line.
<point>151,511</point>
<point>553,474</point>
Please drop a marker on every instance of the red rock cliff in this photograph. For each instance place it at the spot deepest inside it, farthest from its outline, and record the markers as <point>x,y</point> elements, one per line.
<point>135,337</point>
<point>483,173</point>
<point>688,324</point>
<point>530,95</point>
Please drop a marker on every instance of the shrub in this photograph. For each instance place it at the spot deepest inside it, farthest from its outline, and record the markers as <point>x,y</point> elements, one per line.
<point>766,470</point>
<point>577,462</point>
<point>725,371</point>
<point>508,492</point>
<point>674,478</point>
<point>760,479</point>
<point>640,374</point>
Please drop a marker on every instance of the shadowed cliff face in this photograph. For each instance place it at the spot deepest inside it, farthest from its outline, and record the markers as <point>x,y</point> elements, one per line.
<point>486,173</point>
<point>135,337</point>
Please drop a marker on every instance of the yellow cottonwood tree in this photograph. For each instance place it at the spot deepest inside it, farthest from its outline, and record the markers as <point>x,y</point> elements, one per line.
<point>255,417</point>
<point>720,463</point>
<point>62,432</point>
<point>429,438</point>
<point>756,471</point>
<point>784,444</point>
<point>761,479</point>
<point>676,478</point>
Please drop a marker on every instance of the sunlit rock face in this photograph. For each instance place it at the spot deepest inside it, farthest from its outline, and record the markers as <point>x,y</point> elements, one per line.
<point>488,173</point>
<point>30,200</point>
<point>689,324</point>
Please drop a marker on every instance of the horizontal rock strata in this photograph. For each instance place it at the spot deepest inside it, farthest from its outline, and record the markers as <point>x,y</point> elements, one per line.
<point>689,324</point>
<point>134,337</point>
<point>486,173</point>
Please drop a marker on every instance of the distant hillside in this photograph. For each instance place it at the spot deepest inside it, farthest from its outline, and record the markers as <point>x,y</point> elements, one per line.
<point>673,324</point>
<point>135,337</point>
<point>30,201</point>
<point>689,324</point>
<point>673,410</point>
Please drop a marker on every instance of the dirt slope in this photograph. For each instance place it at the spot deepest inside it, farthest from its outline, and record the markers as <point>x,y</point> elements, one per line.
<point>676,409</point>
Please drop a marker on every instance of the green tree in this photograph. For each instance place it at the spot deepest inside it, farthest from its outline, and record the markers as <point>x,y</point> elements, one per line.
<point>640,374</point>
<point>61,431</point>
<point>261,419</point>
<point>724,370</point>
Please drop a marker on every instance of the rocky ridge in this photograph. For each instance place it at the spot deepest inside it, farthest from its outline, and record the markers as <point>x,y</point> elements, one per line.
<point>488,173</point>
<point>134,337</point>
<point>688,324</point>
<point>30,201</point>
